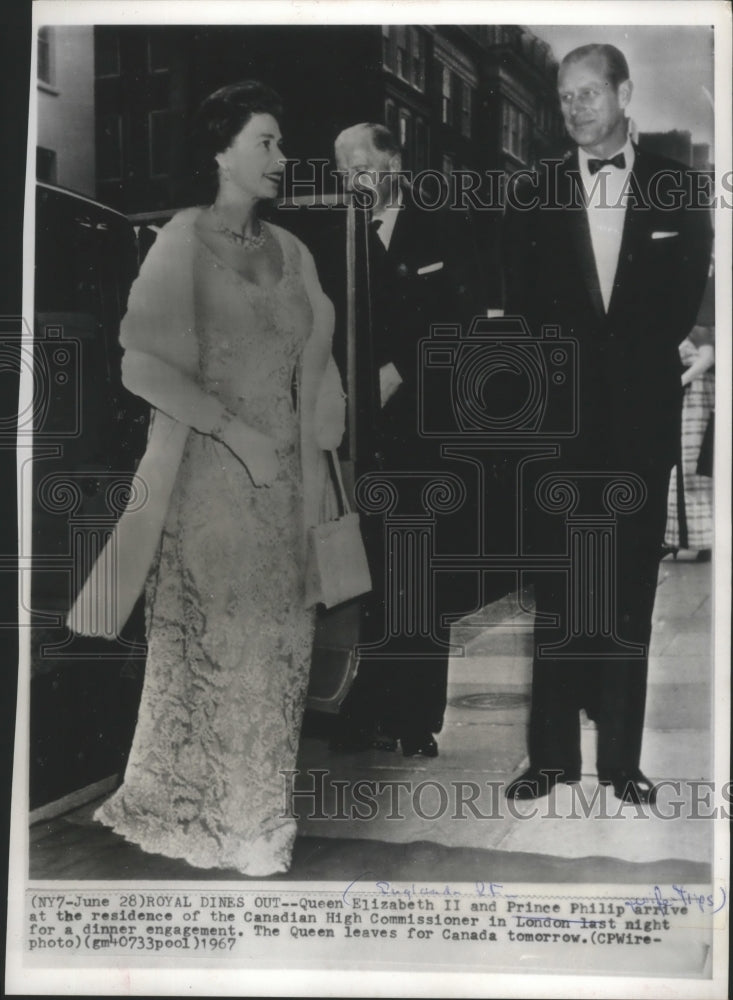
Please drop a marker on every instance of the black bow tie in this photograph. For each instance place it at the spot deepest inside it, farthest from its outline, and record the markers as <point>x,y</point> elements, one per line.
<point>619,160</point>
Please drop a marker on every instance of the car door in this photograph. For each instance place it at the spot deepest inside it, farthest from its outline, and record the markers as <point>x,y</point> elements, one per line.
<point>88,434</point>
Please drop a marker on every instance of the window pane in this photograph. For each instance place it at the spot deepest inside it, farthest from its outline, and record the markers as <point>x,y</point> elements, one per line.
<point>458,88</point>
<point>421,144</point>
<point>107,52</point>
<point>402,57</point>
<point>387,48</point>
<point>523,146</point>
<point>158,51</point>
<point>447,91</point>
<point>46,164</point>
<point>160,123</point>
<point>413,48</point>
<point>390,117</point>
<point>466,109</point>
<point>515,131</point>
<point>418,61</point>
<point>44,55</point>
<point>109,148</point>
<point>446,82</point>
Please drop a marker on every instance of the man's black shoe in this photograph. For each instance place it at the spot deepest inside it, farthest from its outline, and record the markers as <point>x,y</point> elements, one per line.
<point>419,745</point>
<point>632,787</point>
<point>533,784</point>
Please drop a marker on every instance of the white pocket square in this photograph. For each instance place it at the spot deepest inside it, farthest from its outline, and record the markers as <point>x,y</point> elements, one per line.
<point>429,268</point>
<point>663,234</point>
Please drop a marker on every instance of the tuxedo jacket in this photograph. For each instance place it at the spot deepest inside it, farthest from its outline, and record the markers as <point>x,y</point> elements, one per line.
<point>628,410</point>
<point>429,275</point>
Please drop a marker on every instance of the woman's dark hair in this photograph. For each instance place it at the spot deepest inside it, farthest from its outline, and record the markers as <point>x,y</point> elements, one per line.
<point>223,114</point>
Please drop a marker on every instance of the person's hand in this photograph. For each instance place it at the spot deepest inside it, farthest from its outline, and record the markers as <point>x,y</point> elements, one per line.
<point>330,420</point>
<point>256,451</point>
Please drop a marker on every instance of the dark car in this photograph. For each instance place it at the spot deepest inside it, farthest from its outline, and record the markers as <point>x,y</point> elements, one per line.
<point>88,434</point>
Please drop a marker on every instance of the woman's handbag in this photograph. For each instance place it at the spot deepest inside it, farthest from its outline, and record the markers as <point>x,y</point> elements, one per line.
<point>705,458</point>
<point>337,568</point>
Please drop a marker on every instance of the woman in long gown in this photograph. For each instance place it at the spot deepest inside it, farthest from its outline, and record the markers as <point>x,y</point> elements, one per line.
<point>227,335</point>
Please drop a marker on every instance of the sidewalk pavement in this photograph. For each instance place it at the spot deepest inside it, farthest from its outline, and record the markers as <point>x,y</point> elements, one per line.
<point>562,838</point>
<point>484,741</point>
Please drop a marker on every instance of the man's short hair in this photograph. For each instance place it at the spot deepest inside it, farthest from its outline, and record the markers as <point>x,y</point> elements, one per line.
<point>618,68</point>
<point>382,138</point>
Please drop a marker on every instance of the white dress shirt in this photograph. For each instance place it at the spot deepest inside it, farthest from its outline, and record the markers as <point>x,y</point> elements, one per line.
<point>606,196</point>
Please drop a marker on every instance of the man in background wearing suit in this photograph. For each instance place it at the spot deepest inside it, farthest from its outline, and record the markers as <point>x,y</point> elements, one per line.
<point>423,270</point>
<point>624,278</point>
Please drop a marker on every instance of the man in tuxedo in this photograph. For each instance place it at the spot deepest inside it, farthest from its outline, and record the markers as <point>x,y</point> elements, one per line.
<point>609,246</point>
<point>422,270</point>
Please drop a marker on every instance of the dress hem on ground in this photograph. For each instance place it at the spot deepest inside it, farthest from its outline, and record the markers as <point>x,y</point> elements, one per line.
<point>268,855</point>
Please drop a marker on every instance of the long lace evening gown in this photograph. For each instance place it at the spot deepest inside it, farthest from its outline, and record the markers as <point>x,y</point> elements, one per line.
<point>229,641</point>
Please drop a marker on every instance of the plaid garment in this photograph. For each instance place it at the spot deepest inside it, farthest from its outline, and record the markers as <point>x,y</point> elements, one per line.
<point>690,501</point>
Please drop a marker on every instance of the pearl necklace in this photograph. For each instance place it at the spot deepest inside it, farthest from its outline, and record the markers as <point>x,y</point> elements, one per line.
<point>240,239</point>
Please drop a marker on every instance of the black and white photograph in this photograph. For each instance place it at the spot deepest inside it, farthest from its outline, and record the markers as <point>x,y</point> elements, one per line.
<point>374,542</point>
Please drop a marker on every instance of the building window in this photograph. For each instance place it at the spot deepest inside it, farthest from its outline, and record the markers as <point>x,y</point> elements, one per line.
<point>45,56</point>
<point>515,131</point>
<point>524,137</point>
<point>158,52</point>
<point>390,116</point>
<point>159,142</point>
<point>466,109</point>
<point>447,95</point>
<point>457,92</point>
<point>46,164</point>
<point>422,144</point>
<point>107,52</point>
<point>387,58</point>
<point>403,53</point>
<point>417,56</point>
<point>109,148</point>
<point>401,61</point>
<point>405,138</point>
